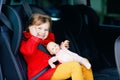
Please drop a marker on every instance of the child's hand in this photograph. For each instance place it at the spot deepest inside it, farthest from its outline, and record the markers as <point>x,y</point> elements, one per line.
<point>33,31</point>
<point>65,44</point>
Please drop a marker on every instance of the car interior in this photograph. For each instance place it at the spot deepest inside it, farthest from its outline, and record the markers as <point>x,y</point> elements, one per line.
<point>78,23</point>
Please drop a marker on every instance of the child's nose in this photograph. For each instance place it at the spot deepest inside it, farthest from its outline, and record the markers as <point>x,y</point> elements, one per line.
<point>42,31</point>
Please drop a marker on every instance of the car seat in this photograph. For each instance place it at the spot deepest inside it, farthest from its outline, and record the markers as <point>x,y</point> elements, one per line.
<point>11,34</point>
<point>80,25</point>
<point>8,33</point>
<point>75,24</point>
<point>1,74</point>
<point>117,53</point>
<point>22,12</point>
<point>25,8</point>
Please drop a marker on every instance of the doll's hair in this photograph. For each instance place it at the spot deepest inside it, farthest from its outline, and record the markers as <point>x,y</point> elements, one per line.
<point>38,19</point>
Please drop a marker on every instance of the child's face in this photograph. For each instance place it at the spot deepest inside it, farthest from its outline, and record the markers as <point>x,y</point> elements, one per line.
<point>53,48</point>
<point>42,30</point>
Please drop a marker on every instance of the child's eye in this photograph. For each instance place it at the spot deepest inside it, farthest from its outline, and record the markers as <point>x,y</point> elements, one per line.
<point>46,29</point>
<point>39,28</point>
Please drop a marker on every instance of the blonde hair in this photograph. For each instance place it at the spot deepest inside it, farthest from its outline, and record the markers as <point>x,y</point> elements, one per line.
<point>38,19</point>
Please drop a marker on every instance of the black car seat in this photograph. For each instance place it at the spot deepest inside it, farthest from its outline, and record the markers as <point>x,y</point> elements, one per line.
<point>117,53</point>
<point>1,74</point>
<point>27,10</point>
<point>11,33</point>
<point>75,24</point>
<point>80,25</point>
<point>24,16</point>
<point>8,33</point>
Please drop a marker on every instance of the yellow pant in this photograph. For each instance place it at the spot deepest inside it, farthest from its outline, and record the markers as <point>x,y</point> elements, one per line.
<point>73,70</point>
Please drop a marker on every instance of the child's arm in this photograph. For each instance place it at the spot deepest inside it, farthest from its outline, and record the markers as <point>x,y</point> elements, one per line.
<point>51,62</point>
<point>29,46</point>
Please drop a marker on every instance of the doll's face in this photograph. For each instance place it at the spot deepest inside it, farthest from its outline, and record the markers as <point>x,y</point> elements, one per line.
<point>53,48</point>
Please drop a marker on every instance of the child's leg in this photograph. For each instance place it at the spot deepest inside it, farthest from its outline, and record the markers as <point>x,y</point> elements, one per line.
<point>88,75</point>
<point>67,70</point>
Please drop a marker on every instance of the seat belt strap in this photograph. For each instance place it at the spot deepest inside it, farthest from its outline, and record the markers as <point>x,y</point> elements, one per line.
<point>40,73</point>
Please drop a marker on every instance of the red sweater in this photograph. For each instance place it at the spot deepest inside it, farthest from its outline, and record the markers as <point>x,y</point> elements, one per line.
<point>36,59</point>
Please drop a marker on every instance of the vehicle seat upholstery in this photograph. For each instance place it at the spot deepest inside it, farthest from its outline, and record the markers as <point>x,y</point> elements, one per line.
<point>117,53</point>
<point>1,74</point>
<point>76,24</point>
<point>23,14</point>
<point>80,24</point>
<point>10,38</point>
<point>24,19</point>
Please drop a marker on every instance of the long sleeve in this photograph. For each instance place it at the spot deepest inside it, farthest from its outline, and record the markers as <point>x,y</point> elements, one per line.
<point>28,47</point>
